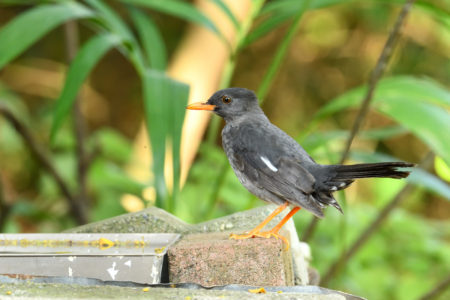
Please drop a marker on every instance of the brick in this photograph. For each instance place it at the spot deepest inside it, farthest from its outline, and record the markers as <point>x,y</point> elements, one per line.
<point>212,259</point>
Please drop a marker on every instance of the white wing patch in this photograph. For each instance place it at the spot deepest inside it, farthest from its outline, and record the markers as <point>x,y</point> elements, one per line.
<point>269,164</point>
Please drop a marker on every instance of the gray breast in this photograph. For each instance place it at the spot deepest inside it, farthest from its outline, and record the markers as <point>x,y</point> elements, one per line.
<point>227,144</point>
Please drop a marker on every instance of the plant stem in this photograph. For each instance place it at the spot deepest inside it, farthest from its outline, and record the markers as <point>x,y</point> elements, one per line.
<point>376,74</point>
<point>368,232</point>
<point>72,45</point>
<point>77,210</point>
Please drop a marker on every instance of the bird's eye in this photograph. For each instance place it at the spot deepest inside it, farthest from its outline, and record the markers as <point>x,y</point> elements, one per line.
<point>226,99</point>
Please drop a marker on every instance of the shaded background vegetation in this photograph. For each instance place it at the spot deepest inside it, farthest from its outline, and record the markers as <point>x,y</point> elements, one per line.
<point>313,94</point>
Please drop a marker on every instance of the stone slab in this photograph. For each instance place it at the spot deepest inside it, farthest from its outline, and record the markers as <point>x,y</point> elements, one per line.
<point>149,220</point>
<point>214,259</point>
<point>37,291</point>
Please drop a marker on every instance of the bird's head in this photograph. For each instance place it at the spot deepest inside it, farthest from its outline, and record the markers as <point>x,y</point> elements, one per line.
<point>230,103</point>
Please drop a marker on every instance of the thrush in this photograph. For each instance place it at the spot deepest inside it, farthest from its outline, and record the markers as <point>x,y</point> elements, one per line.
<point>275,168</point>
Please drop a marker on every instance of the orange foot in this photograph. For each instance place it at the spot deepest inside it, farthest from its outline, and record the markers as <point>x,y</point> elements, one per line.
<point>262,234</point>
<point>256,232</point>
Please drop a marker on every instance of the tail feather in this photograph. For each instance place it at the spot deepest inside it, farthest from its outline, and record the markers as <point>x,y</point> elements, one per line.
<point>338,177</point>
<point>384,169</point>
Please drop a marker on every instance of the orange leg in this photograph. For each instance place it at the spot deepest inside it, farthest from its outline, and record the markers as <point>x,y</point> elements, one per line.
<point>285,219</point>
<point>257,229</point>
<point>256,232</point>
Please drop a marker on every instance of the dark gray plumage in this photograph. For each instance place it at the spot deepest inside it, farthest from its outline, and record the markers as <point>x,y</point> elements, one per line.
<point>273,166</point>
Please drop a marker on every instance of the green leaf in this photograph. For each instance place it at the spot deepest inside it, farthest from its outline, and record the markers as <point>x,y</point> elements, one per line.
<point>151,39</point>
<point>276,13</point>
<point>164,101</point>
<point>84,62</point>
<point>417,104</point>
<point>281,51</point>
<point>105,175</point>
<point>428,122</point>
<point>266,26</point>
<point>441,168</point>
<point>178,98</point>
<point>227,11</point>
<point>112,21</point>
<point>438,13</point>
<point>155,95</point>
<point>20,2</point>
<point>30,26</point>
<point>430,182</point>
<point>112,144</point>
<point>179,9</point>
<point>283,6</point>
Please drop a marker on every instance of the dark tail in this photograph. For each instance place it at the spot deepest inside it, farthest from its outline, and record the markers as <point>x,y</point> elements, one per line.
<point>339,177</point>
<point>384,169</point>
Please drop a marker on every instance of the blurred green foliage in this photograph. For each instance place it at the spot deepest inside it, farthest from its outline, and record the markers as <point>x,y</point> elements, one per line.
<point>330,47</point>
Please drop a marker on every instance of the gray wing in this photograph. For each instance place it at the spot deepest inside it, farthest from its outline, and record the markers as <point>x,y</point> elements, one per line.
<point>268,160</point>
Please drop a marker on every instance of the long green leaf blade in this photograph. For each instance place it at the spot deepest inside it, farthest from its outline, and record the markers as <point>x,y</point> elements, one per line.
<point>84,62</point>
<point>155,95</point>
<point>164,102</point>
<point>151,39</point>
<point>112,21</point>
<point>27,28</point>
<point>179,93</point>
<point>281,52</point>
<point>266,26</point>
<point>276,13</point>
<point>227,11</point>
<point>179,9</point>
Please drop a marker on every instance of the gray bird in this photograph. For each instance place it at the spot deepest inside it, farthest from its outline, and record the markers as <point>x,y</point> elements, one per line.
<point>274,167</point>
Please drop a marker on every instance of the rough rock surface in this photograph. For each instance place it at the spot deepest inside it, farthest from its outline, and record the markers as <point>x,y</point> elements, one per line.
<point>213,259</point>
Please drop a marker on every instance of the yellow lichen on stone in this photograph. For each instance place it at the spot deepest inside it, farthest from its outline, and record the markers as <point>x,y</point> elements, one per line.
<point>159,250</point>
<point>104,244</point>
<point>257,291</point>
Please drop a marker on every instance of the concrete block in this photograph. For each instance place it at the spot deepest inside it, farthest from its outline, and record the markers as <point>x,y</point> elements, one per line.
<point>213,259</point>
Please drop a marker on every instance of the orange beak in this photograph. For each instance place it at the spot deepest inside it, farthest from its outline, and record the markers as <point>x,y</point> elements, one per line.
<point>201,106</point>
